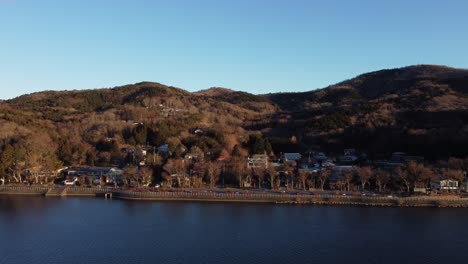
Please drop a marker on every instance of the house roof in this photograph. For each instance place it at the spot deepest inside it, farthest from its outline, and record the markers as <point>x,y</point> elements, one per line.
<point>292,156</point>
<point>93,170</point>
<point>258,158</point>
<point>163,148</point>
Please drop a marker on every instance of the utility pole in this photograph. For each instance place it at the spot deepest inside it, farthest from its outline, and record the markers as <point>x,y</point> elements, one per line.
<point>223,177</point>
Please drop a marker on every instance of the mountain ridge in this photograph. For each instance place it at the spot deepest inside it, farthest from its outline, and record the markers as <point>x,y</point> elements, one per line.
<point>377,84</point>
<point>417,109</point>
<point>414,72</point>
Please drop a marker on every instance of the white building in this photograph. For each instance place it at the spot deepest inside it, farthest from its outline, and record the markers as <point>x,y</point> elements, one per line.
<point>446,185</point>
<point>257,161</point>
<point>449,185</point>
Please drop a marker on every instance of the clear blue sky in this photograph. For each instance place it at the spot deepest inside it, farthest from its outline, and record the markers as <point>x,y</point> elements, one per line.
<point>258,46</point>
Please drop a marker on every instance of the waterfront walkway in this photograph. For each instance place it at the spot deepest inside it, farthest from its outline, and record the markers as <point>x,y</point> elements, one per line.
<point>321,198</point>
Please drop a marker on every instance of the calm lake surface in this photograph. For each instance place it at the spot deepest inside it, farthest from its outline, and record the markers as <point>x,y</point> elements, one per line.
<point>88,230</point>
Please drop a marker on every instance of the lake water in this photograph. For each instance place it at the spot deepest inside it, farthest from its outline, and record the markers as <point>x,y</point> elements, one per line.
<point>87,230</point>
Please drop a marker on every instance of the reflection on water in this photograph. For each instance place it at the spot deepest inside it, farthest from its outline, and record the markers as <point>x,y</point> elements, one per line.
<point>85,230</point>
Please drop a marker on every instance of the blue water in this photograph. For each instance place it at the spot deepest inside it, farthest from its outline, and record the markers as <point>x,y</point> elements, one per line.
<point>88,230</point>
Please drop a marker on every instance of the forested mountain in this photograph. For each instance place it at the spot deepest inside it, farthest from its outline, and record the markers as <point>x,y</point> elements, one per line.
<point>420,109</point>
<point>94,127</point>
<point>421,87</point>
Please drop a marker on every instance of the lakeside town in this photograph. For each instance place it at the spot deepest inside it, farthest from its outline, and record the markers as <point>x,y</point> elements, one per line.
<point>151,137</point>
<point>158,169</point>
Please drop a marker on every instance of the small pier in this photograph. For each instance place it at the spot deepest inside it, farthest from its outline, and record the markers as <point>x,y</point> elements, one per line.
<point>56,191</point>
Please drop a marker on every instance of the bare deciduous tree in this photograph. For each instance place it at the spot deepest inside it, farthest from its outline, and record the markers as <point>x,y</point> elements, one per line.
<point>289,171</point>
<point>259,174</point>
<point>365,174</point>
<point>303,176</point>
<point>404,178</point>
<point>347,179</point>
<point>273,176</point>
<point>419,173</point>
<point>381,179</point>
<point>213,170</point>
<point>322,177</point>
<point>177,168</point>
<point>239,167</point>
<point>145,176</point>
<point>129,175</point>
<point>452,174</point>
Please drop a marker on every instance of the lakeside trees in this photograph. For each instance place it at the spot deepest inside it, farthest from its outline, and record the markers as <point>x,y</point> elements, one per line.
<point>419,174</point>
<point>303,176</point>
<point>323,177</point>
<point>382,178</point>
<point>347,179</point>
<point>364,174</point>
<point>454,174</point>
<point>207,174</point>
<point>403,176</point>
<point>35,158</point>
<point>273,177</point>
<point>213,171</point>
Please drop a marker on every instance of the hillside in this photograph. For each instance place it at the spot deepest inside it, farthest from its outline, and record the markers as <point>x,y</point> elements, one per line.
<point>96,126</point>
<point>426,87</point>
<point>422,110</point>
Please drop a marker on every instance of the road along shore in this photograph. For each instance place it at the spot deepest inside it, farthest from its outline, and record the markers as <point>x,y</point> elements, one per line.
<point>241,197</point>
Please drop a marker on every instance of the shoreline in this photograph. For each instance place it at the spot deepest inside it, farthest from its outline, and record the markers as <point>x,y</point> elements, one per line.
<point>272,198</point>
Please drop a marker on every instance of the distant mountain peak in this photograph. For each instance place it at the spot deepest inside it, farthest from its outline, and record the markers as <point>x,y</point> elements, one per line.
<point>419,71</point>
<point>215,91</point>
<point>429,81</point>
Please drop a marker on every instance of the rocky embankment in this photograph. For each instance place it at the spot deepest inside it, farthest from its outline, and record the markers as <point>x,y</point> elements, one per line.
<point>259,197</point>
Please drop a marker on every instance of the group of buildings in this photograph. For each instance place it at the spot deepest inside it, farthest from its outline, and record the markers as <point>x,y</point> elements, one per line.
<point>106,175</point>
<point>339,166</point>
<point>312,162</point>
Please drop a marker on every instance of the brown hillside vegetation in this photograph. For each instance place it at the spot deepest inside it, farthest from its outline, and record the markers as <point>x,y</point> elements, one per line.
<point>379,112</point>
<point>420,109</point>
